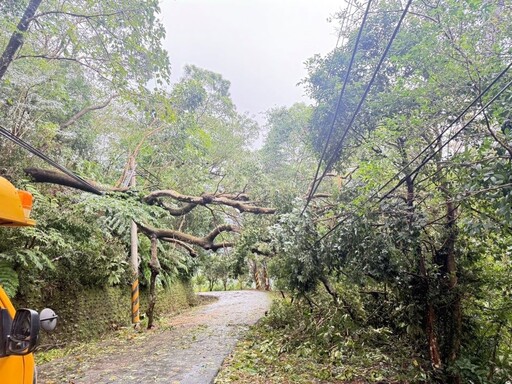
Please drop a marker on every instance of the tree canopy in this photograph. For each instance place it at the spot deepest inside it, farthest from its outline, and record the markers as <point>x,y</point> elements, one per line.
<point>390,219</point>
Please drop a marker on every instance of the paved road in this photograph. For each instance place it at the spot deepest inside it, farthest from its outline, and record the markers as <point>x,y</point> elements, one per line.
<point>191,352</point>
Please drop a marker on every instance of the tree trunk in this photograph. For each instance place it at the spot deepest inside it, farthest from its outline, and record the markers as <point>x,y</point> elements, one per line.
<point>453,325</point>
<point>421,286</point>
<point>328,287</point>
<point>255,274</point>
<point>265,278</point>
<point>450,329</point>
<point>154,266</point>
<point>430,313</point>
<point>17,37</point>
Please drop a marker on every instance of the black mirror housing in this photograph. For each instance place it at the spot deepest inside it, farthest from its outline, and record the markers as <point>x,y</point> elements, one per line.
<point>24,332</point>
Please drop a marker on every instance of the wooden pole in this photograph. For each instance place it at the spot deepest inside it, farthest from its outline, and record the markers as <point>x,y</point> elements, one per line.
<point>134,258</point>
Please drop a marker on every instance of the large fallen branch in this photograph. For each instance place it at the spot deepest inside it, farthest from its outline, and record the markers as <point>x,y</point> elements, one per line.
<point>240,201</point>
<point>54,177</point>
<point>207,242</point>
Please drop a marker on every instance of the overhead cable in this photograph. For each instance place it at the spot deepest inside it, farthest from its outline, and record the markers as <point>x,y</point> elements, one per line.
<point>338,105</point>
<point>455,135</point>
<point>439,136</point>
<point>339,146</point>
<point>4,132</point>
<point>431,156</point>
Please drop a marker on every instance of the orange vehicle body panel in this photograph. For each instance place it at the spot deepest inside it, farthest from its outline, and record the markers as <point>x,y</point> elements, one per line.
<point>15,207</point>
<point>15,369</point>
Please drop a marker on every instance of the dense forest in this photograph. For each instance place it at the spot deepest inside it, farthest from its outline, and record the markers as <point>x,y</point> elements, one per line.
<point>380,211</point>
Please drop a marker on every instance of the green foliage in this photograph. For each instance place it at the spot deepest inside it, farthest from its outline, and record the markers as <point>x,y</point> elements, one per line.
<point>299,264</point>
<point>210,138</point>
<point>8,278</point>
<point>431,256</point>
<point>311,343</point>
<point>217,268</point>
<point>118,42</point>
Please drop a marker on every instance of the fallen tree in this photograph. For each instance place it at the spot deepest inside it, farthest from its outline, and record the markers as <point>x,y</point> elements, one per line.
<point>238,201</point>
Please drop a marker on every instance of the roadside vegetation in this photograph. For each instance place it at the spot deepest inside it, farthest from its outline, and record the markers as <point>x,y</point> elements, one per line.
<point>381,210</point>
<point>397,255</point>
<point>300,343</point>
<point>297,343</point>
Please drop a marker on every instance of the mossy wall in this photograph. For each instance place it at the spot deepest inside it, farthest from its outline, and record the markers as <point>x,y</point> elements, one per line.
<point>86,314</point>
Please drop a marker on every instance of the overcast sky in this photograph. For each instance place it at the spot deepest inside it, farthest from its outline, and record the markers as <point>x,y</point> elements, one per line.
<point>258,45</point>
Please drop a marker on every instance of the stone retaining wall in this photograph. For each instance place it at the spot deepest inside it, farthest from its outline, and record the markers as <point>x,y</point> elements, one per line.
<point>86,314</point>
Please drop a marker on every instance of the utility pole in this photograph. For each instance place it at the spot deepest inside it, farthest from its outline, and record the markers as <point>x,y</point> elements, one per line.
<point>134,252</point>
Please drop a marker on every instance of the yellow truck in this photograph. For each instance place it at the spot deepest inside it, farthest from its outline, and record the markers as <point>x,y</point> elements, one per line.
<point>19,329</point>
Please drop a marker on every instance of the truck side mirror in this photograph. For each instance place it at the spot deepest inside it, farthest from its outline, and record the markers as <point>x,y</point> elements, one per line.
<point>24,332</point>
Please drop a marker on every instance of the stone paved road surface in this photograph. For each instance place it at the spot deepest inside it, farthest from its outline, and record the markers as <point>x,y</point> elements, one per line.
<point>190,352</point>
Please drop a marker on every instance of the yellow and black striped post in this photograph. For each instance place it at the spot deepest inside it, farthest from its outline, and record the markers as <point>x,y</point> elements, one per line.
<point>134,258</point>
<point>135,302</point>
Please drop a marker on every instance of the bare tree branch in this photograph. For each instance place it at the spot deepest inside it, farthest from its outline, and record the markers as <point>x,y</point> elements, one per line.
<point>236,201</point>
<point>72,59</point>
<point>175,211</point>
<point>207,242</point>
<point>84,111</point>
<point>78,15</point>
<point>182,244</point>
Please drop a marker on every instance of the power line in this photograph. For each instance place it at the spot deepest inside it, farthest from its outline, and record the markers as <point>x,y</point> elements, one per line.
<point>438,137</point>
<point>338,147</point>
<point>343,27</point>
<point>338,104</point>
<point>366,92</point>
<point>349,16</point>
<point>431,156</point>
<point>8,135</point>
